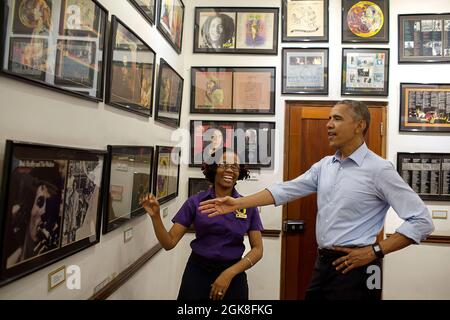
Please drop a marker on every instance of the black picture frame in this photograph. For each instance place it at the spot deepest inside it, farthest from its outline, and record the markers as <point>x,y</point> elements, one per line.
<point>148,12</point>
<point>197,185</point>
<point>428,174</point>
<point>65,186</point>
<point>173,35</point>
<point>241,90</point>
<point>232,39</point>
<point>130,172</point>
<point>358,30</point>
<point>305,71</point>
<point>424,38</point>
<point>81,11</point>
<point>128,86</point>
<point>167,163</point>
<point>299,22</point>
<point>28,54</point>
<point>254,142</point>
<point>169,95</point>
<point>423,107</point>
<point>367,73</point>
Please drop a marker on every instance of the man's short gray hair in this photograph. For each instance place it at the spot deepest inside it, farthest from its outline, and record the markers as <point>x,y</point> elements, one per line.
<point>360,110</point>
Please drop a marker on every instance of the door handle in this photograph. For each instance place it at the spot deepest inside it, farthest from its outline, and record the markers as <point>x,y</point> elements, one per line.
<point>293,226</point>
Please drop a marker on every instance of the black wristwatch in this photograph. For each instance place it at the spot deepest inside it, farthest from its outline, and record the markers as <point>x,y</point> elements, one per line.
<point>377,249</point>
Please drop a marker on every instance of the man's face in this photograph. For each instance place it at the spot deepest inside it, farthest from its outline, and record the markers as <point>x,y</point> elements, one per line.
<point>216,29</point>
<point>343,128</point>
<point>38,209</point>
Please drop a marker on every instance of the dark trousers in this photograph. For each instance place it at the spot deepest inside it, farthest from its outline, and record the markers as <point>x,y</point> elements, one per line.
<point>329,284</point>
<point>200,273</point>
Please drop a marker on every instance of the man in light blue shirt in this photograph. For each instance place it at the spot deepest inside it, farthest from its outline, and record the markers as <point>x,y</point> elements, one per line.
<point>355,188</point>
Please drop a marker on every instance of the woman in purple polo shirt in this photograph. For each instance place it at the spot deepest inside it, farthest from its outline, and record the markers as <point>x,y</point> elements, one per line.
<point>216,269</point>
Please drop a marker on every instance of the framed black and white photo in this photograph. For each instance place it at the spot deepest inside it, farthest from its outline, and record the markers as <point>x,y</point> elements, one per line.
<point>171,22</point>
<point>197,185</point>
<point>146,8</point>
<point>167,173</point>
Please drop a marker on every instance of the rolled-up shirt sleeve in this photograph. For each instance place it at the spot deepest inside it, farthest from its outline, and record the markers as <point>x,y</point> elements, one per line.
<point>301,186</point>
<point>407,204</point>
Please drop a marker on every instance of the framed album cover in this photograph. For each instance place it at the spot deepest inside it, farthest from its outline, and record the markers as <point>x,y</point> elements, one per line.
<point>129,178</point>
<point>305,20</point>
<point>171,21</point>
<point>424,38</point>
<point>56,44</point>
<point>146,8</point>
<point>305,71</point>
<point>365,72</point>
<point>365,21</point>
<point>167,173</point>
<point>223,90</point>
<point>197,185</point>
<point>169,95</point>
<point>236,30</point>
<point>51,205</point>
<point>425,107</point>
<point>131,71</point>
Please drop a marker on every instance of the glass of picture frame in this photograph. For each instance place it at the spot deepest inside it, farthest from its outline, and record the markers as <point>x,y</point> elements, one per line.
<point>223,90</point>
<point>167,173</point>
<point>169,96</point>
<point>146,8</point>
<point>424,107</point>
<point>56,44</point>
<point>171,22</point>
<point>305,71</point>
<point>236,30</point>
<point>197,185</point>
<point>365,21</point>
<point>131,71</point>
<point>253,142</point>
<point>365,71</point>
<point>424,38</point>
<point>129,177</point>
<point>51,205</point>
<point>305,21</point>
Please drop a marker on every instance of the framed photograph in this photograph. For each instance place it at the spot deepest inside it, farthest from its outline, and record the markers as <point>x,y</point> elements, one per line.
<point>129,177</point>
<point>167,173</point>
<point>169,96</point>
<point>252,141</point>
<point>236,30</point>
<point>365,72</point>
<point>424,107</point>
<point>305,71</point>
<point>171,21</point>
<point>131,71</point>
<point>146,8</point>
<point>365,21</point>
<point>51,205</point>
<point>305,20</point>
<point>222,90</point>
<point>57,45</point>
<point>424,38</point>
<point>197,185</point>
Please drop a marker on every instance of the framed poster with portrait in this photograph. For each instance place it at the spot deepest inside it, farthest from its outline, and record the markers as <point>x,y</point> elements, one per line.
<point>365,72</point>
<point>305,20</point>
<point>197,185</point>
<point>236,30</point>
<point>131,71</point>
<point>51,205</point>
<point>167,173</point>
<point>424,38</point>
<point>146,8</point>
<point>424,107</point>
<point>253,142</point>
<point>129,178</point>
<point>169,96</point>
<point>244,90</point>
<point>57,45</point>
<point>171,21</point>
<point>305,71</point>
<point>365,21</point>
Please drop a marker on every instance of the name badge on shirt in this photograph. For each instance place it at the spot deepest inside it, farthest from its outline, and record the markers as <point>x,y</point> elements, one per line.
<point>241,214</point>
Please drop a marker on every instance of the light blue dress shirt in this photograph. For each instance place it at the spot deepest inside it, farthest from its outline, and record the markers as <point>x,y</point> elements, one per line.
<point>353,197</point>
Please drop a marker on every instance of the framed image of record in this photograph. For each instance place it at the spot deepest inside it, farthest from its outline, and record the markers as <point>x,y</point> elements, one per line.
<point>167,173</point>
<point>79,18</point>
<point>171,21</point>
<point>146,8</point>
<point>197,185</point>
<point>365,21</point>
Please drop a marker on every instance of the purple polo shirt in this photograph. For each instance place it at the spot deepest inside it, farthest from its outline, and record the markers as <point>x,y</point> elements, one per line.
<point>219,238</point>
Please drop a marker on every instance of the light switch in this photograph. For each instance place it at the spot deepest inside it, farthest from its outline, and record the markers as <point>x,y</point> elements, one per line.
<point>165,212</point>
<point>128,234</point>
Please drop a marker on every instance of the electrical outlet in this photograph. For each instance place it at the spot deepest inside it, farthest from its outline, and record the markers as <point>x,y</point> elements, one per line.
<point>165,212</point>
<point>128,234</point>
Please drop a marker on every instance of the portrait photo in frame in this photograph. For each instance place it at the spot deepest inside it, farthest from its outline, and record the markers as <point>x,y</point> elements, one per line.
<point>424,107</point>
<point>146,8</point>
<point>167,173</point>
<point>171,22</point>
<point>79,18</point>
<point>197,185</point>
<point>365,71</point>
<point>305,20</point>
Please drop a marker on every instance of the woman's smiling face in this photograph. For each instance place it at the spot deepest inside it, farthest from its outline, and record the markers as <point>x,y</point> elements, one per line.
<point>227,170</point>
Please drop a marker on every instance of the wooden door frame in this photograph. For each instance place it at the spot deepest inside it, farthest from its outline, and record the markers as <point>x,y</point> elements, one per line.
<point>287,119</point>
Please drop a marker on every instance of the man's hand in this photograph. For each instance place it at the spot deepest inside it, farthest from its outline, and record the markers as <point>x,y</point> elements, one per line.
<point>355,258</point>
<point>218,206</point>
